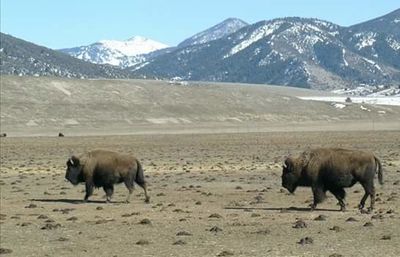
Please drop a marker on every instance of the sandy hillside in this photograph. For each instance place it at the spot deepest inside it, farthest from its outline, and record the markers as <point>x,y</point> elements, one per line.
<point>46,106</point>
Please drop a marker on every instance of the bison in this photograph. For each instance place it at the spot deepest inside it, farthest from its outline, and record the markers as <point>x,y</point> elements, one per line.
<point>332,169</point>
<point>101,168</point>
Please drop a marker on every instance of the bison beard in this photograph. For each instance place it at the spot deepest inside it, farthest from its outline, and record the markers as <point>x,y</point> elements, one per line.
<point>104,169</point>
<point>332,169</point>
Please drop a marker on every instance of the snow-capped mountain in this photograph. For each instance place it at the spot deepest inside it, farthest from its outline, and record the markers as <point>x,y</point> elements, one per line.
<point>22,58</point>
<point>293,51</point>
<point>120,53</point>
<point>220,30</point>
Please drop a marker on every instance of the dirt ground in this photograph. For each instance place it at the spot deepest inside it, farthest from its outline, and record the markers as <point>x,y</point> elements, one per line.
<point>211,195</point>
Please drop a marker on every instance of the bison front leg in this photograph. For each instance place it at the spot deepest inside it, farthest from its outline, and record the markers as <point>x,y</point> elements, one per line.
<point>319,196</point>
<point>109,192</point>
<point>89,190</point>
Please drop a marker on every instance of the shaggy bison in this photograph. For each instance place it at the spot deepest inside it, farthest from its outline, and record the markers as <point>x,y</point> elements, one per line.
<point>332,169</point>
<point>102,168</point>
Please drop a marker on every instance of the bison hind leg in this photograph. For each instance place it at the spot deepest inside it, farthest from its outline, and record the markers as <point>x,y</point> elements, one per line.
<point>143,185</point>
<point>369,191</point>
<point>340,194</point>
<point>109,189</point>
<point>129,185</point>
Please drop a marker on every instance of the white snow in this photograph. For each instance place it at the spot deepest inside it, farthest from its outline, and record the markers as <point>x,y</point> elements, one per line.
<point>365,40</point>
<point>133,46</point>
<point>338,105</point>
<point>373,63</point>
<point>364,108</point>
<point>395,45</point>
<point>344,58</point>
<point>122,53</point>
<point>256,35</point>
<point>368,100</point>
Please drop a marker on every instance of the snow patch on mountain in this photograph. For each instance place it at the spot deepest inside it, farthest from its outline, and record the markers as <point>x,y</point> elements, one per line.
<point>133,46</point>
<point>120,53</point>
<point>365,39</point>
<point>258,34</point>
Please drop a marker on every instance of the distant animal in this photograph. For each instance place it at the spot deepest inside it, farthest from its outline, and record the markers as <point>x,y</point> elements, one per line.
<point>3,135</point>
<point>60,134</point>
<point>101,168</point>
<point>332,169</point>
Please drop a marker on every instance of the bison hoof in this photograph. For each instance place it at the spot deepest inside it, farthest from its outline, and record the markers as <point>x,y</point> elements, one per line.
<point>360,206</point>
<point>342,208</point>
<point>312,207</point>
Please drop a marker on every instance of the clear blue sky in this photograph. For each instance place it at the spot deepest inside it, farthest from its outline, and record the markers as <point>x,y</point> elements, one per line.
<point>68,23</point>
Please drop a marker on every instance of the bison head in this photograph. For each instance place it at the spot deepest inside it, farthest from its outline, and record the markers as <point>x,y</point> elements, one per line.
<point>291,174</point>
<point>74,170</point>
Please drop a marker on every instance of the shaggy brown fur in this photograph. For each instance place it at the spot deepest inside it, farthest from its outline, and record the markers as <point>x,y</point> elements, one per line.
<point>332,169</point>
<point>102,168</point>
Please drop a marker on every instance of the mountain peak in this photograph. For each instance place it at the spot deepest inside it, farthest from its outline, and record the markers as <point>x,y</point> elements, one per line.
<point>115,52</point>
<point>222,29</point>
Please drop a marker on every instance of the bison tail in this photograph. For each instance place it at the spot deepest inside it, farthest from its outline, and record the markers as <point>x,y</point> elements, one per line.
<point>380,175</point>
<point>139,174</point>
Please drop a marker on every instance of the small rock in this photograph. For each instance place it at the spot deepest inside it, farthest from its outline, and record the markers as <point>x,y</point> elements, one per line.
<point>72,218</point>
<point>368,224</point>
<point>31,206</point>
<point>49,226</point>
<point>306,240</point>
<point>336,228</point>
<point>377,216</point>
<point>321,217</point>
<point>183,233</point>
<point>142,242</point>
<point>145,222</point>
<point>42,216</point>
<point>5,251</point>
<point>335,255</point>
<point>179,242</point>
<point>99,208</point>
<point>24,224</point>
<point>386,237</point>
<point>351,219</point>
<point>299,224</point>
<point>215,229</point>
<point>225,253</point>
<point>215,215</point>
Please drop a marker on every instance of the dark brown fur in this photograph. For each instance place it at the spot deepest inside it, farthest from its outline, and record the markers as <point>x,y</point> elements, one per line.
<point>102,168</point>
<point>332,169</point>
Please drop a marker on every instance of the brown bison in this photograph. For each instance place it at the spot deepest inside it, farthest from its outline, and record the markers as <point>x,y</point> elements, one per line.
<point>102,168</point>
<point>332,169</point>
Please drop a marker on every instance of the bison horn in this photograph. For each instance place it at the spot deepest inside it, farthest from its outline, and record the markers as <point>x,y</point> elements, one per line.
<point>71,161</point>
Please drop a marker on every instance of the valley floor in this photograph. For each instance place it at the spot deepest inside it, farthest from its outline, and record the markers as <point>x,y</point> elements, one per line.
<point>211,195</point>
